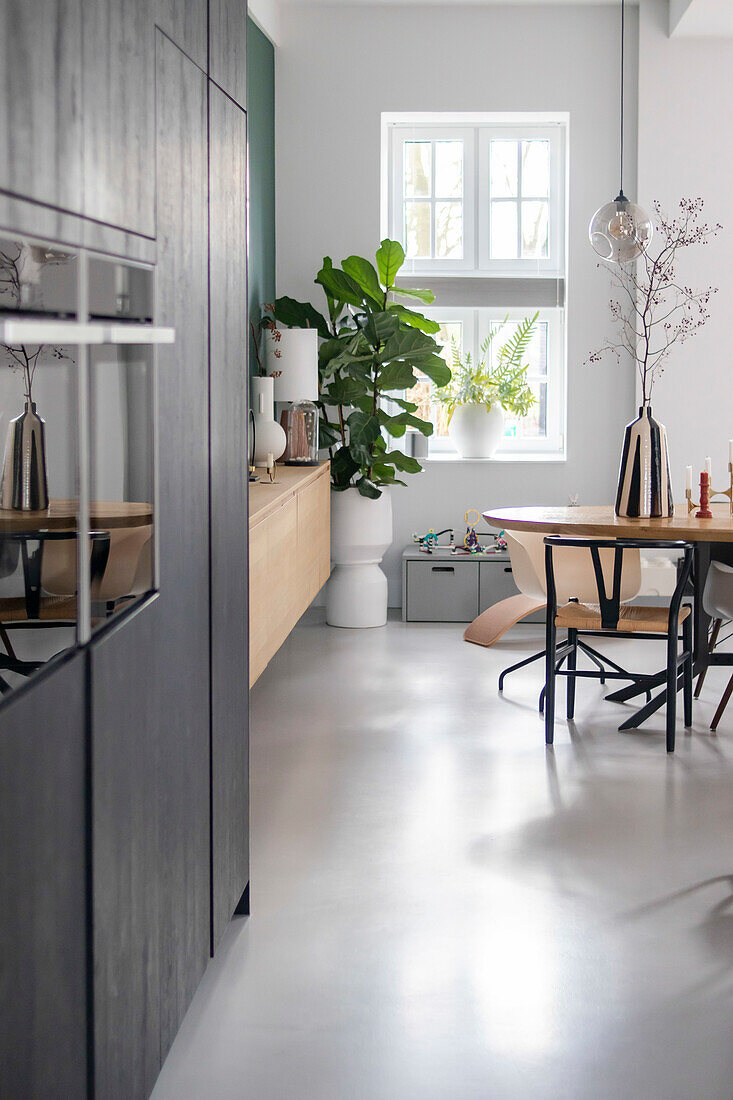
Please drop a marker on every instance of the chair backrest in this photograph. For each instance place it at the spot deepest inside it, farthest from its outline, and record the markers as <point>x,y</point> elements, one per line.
<point>574,573</point>
<point>718,594</point>
<point>126,547</point>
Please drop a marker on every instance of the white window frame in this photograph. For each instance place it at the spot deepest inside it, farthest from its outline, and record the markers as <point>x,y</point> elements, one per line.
<point>481,128</point>
<point>554,263</point>
<point>397,204</point>
<point>476,324</point>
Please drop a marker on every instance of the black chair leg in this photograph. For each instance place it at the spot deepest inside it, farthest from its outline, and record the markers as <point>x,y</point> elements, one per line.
<point>572,665</point>
<point>671,699</point>
<point>550,678</point>
<point>687,670</point>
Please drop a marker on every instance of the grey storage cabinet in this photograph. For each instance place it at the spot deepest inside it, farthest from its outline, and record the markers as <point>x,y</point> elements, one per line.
<point>496,582</point>
<point>441,591</point>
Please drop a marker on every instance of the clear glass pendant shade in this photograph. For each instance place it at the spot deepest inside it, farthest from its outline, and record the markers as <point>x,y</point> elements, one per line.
<point>620,230</point>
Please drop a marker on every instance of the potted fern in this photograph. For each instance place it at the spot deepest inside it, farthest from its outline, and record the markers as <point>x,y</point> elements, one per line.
<point>481,392</point>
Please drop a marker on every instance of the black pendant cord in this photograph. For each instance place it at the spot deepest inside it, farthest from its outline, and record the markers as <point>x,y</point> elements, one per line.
<point>623,36</point>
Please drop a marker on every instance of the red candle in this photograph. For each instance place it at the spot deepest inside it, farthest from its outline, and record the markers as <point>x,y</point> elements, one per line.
<point>704,512</point>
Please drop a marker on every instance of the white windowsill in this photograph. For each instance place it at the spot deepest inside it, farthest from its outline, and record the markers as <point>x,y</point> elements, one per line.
<point>497,458</point>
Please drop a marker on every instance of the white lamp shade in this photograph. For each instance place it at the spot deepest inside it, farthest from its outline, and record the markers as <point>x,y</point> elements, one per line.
<point>295,356</point>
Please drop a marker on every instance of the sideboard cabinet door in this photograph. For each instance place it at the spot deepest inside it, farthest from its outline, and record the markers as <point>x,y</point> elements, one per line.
<point>228,47</point>
<point>185,22</point>
<point>119,113</point>
<point>40,101</point>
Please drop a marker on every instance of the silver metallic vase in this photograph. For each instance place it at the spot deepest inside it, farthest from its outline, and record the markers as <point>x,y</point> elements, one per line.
<point>25,481</point>
<point>644,484</point>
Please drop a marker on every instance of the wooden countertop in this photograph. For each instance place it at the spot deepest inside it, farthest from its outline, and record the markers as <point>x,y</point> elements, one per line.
<point>602,522</point>
<point>266,496</point>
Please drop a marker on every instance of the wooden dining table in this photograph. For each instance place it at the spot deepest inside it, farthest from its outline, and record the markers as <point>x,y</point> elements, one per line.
<point>712,540</point>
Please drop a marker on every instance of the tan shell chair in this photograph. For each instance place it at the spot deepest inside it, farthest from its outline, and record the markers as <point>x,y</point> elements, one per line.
<point>717,601</point>
<point>128,571</point>
<point>574,580</point>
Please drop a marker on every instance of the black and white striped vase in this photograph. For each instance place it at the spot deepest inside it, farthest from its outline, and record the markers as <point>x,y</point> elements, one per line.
<point>644,484</point>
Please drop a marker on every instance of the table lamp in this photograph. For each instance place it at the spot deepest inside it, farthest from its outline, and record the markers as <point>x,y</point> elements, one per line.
<point>292,359</point>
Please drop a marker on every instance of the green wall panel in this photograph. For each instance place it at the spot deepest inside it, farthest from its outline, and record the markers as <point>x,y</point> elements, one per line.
<point>261,140</point>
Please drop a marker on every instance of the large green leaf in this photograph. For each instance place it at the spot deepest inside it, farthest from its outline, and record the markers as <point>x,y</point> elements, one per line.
<point>397,375</point>
<point>415,320</point>
<point>436,369</point>
<point>402,462</point>
<point>408,343</point>
<point>390,258</point>
<point>425,296</point>
<point>367,488</point>
<point>342,391</point>
<point>396,425</point>
<point>363,273</point>
<point>300,315</point>
<point>327,352</point>
<point>385,475</point>
<point>338,284</point>
<point>328,433</point>
<point>343,468</point>
<point>363,427</point>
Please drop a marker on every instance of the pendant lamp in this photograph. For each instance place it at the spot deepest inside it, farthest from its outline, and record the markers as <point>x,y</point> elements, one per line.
<point>621,230</point>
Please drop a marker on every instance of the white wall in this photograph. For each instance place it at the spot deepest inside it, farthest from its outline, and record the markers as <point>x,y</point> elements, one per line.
<point>337,69</point>
<point>685,110</point>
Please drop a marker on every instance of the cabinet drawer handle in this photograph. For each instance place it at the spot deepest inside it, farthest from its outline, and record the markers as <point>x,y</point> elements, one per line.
<point>507,568</point>
<point>444,569</point>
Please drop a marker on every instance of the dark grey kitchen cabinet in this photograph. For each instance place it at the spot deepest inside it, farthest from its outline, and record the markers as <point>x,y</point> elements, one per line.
<point>182,614</point>
<point>229,563</point>
<point>228,47</point>
<point>185,22</point>
<point>150,694</point>
<point>43,923</point>
<point>118,104</point>
<point>40,101</point>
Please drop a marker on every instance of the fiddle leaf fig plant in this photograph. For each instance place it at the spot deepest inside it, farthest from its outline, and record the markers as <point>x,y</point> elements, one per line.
<point>372,345</point>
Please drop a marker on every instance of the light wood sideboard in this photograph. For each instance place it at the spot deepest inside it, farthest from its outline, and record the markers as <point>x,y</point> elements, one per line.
<point>289,554</point>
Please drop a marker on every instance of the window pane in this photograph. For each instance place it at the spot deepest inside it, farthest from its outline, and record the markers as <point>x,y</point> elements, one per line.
<point>503,231</point>
<point>536,168</point>
<point>449,169</point>
<point>449,230</point>
<point>534,230</point>
<point>536,358</point>
<point>534,424</point>
<point>417,229</point>
<point>503,169</point>
<point>417,168</point>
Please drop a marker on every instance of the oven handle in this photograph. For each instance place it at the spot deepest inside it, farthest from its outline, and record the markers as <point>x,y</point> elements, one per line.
<point>76,332</point>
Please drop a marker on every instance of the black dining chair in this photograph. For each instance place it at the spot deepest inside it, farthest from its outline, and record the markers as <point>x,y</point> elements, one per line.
<point>610,618</point>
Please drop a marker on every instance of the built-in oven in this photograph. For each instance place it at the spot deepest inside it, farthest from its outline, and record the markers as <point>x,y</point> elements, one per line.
<point>78,441</point>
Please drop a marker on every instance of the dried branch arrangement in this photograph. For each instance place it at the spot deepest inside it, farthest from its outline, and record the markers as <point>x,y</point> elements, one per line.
<point>652,307</point>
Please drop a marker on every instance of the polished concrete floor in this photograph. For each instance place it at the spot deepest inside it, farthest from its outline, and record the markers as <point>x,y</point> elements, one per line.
<point>444,910</point>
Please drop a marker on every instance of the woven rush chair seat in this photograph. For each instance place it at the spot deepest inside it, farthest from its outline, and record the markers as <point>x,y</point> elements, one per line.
<point>52,608</point>
<point>631,620</point>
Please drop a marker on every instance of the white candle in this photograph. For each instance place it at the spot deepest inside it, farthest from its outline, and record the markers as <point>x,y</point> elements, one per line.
<point>688,478</point>
<point>730,452</point>
<point>709,465</point>
<point>270,461</point>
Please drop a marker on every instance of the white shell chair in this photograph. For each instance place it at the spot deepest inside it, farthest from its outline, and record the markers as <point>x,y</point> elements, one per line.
<point>717,600</point>
<point>574,580</point>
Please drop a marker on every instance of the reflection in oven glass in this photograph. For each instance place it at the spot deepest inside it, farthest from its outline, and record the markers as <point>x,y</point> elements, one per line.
<point>121,536</point>
<point>38,544</point>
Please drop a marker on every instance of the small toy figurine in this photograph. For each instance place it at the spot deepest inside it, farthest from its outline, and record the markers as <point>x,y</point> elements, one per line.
<point>471,544</point>
<point>429,541</point>
<point>501,543</point>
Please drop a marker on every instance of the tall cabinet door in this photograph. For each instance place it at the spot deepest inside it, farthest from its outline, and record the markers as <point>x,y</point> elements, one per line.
<point>119,113</point>
<point>43,918</point>
<point>40,101</point>
<point>229,525</point>
<point>228,47</point>
<point>151,730</point>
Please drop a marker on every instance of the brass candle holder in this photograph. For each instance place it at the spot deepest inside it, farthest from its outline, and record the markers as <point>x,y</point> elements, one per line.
<point>703,507</point>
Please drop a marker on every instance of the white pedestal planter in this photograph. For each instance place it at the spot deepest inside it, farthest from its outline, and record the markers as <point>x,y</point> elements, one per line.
<point>361,531</point>
<point>269,436</point>
<point>477,431</point>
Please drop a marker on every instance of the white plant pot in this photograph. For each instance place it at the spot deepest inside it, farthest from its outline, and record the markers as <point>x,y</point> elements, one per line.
<point>477,431</point>
<point>270,438</point>
<point>361,531</point>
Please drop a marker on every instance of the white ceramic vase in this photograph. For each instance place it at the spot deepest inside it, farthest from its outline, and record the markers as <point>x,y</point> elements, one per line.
<point>361,531</point>
<point>477,431</point>
<point>269,436</point>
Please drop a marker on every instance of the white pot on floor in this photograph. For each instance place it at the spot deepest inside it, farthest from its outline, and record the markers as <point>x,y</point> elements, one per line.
<point>361,531</point>
<point>477,431</point>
